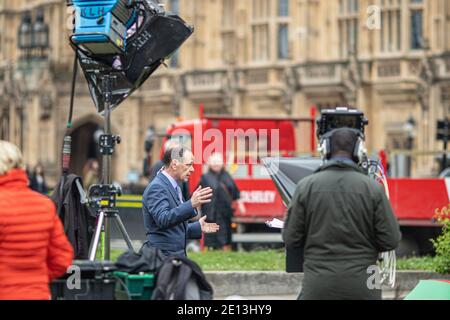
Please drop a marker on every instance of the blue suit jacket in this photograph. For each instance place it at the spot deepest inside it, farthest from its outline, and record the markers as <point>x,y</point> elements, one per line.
<point>166,218</point>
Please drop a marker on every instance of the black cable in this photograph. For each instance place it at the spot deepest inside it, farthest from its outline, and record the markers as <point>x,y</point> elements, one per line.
<point>67,144</point>
<point>72,94</point>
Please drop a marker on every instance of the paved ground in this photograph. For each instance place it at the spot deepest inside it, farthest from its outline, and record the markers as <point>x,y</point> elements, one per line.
<point>386,296</point>
<point>245,285</point>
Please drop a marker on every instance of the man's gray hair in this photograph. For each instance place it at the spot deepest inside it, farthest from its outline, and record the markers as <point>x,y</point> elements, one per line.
<point>170,144</point>
<point>10,157</point>
<point>176,153</point>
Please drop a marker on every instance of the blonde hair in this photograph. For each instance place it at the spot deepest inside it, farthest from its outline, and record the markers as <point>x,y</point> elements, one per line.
<point>10,157</point>
<point>215,159</point>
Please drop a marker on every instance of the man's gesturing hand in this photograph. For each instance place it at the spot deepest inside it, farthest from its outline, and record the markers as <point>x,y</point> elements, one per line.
<point>201,196</point>
<point>208,227</point>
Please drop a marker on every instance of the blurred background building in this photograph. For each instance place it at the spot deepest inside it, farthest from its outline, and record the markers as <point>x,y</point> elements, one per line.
<point>390,58</point>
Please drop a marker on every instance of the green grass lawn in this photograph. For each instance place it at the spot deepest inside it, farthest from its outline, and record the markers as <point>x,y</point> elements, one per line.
<point>422,263</point>
<point>271,260</point>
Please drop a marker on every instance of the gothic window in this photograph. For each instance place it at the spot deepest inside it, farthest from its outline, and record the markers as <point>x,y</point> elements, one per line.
<point>348,27</point>
<point>228,32</point>
<point>174,60</point>
<point>228,13</point>
<point>229,47</point>
<point>446,23</point>
<point>416,24</point>
<point>260,30</point>
<point>261,9</point>
<point>391,22</point>
<point>175,9</point>
<point>283,8</point>
<point>283,41</point>
<point>175,6</point>
<point>283,21</point>
<point>261,42</point>
<point>270,27</point>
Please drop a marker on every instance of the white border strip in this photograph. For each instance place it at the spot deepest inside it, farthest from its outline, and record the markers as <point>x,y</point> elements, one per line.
<point>447,184</point>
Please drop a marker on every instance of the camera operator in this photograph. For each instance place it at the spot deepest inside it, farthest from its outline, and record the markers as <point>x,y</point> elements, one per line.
<point>342,219</point>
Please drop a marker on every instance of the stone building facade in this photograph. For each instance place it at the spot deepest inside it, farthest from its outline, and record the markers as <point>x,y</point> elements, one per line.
<point>390,58</point>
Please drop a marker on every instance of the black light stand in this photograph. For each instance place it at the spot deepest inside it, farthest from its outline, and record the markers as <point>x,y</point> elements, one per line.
<point>157,36</point>
<point>103,196</point>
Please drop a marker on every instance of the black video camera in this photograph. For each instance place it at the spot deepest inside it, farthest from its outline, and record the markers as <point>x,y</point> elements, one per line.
<point>341,117</point>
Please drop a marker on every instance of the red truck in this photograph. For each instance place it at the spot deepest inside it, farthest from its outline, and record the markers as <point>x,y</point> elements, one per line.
<point>244,141</point>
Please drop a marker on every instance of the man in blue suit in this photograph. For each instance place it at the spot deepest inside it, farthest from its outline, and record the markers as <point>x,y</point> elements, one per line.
<point>166,215</point>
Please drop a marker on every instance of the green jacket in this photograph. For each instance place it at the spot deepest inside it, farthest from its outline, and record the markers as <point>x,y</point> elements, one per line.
<point>342,219</point>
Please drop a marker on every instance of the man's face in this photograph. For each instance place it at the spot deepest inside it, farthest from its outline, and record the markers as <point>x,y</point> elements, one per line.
<point>185,167</point>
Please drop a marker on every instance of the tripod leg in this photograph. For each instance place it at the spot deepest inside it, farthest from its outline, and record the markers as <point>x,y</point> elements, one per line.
<point>98,230</point>
<point>124,232</point>
<point>107,238</point>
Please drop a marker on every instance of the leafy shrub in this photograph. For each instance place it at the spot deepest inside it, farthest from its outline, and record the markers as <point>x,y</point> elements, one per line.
<point>442,243</point>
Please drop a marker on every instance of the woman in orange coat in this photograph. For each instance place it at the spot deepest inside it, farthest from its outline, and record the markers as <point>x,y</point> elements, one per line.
<point>33,247</point>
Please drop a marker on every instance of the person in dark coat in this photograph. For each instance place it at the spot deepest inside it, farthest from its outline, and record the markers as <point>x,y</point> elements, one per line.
<point>220,210</point>
<point>37,180</point>
<point>343,220</point>
<point>168,218</point>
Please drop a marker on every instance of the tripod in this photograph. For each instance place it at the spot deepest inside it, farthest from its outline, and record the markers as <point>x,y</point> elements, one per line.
<point>103,196</point>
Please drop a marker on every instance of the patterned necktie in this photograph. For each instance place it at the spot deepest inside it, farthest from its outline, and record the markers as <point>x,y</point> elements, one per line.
<point>180,195</point>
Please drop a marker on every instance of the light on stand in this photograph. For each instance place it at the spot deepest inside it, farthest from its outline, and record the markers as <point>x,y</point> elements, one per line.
<point>118,45</point>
